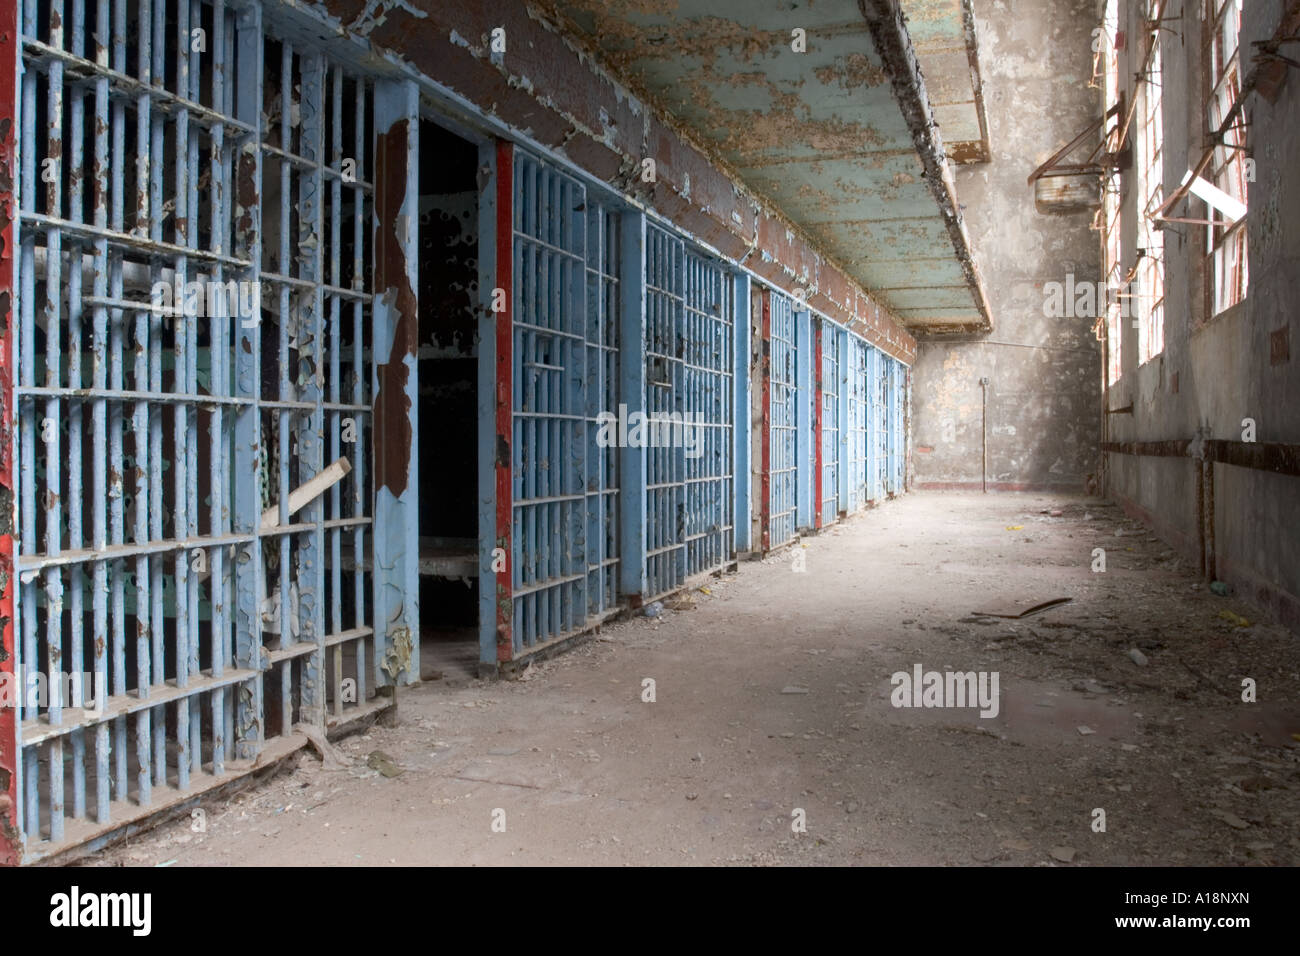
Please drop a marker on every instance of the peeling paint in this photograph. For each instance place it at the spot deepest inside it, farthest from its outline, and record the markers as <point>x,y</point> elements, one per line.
<point>392,418</point>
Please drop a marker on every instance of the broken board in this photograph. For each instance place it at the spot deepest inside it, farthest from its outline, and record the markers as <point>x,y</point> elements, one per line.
<point>1022,608</point>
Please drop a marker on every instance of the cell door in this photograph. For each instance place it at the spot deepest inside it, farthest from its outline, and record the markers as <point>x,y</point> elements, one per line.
<point>707,379</point>
<point>783,466</point>
<point>856,382</point>
<point>551,513</point>
<point>830,433</point>
<point>193,404</point>
<point>689,406</point>
<point>878,425</point>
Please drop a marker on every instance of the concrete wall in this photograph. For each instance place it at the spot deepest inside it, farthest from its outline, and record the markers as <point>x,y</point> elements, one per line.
<point>1216,371</point>
<point>1044,373</point>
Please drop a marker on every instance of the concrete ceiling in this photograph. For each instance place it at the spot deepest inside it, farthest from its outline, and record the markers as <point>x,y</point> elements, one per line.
<point>841,138</point>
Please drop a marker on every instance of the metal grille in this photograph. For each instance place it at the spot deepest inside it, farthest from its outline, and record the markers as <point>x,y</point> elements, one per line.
<point>184,372</point>
<point>550,443</point>
<point>665,466</point>
<point>897,377</point>
<point>688,355</point>
<point>878,424</point>
<point>830,390</point>
<point>856,382</point>
<point>783,470</point>
<point>602,486</point>
<point>708,399</point>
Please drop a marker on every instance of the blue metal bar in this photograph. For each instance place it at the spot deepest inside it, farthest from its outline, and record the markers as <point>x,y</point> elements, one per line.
<point>99,412</point>
<point>284,391</point>
<point>492,567</point>
<point>783,468</point>
<point>53,422</point>
<point>806,395</point>
<point>665,397</point>
<point>742,417</point>
<point>151,572</point>
<point>828,507</point>
<point>360,380</point>
<point>311,359</point>
<point>844,346</point>
<point>708,405</point>
<point>148,200</point>
<point>249,577</point>
<point>396,317</point>
<point>334,351</point>
<point>114,358</point>
<point>602,342</point>
<point>634,317</point>
<point>222,169</point>
<point>76,533</point>
<point>857,405</point>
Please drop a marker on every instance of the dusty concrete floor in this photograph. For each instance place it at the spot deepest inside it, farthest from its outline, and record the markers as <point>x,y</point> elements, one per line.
<point>710,773</point>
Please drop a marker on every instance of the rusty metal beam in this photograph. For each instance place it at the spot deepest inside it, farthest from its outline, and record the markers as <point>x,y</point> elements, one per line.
<point>1151,449</point>
<point>1278,457</point>
<point>1272,70</point>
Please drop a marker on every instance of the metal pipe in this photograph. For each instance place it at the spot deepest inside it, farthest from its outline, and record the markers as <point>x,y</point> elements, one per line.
<point>984,435</point>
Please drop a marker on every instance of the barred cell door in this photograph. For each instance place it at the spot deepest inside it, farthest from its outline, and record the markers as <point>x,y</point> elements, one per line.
<point>707,402</point>
<point>878,423</point>
<point>604,321</point>
<point>689,399</point>
<point>897,435</point>
<point>192,396</point>
<point>856,382</point>
<point>665,306</point>
<point>549,440</point>
<point>783,466</point>
<point>830,431</point>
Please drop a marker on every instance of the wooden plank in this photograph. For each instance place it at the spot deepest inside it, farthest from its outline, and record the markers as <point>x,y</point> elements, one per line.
<point>325,479</point>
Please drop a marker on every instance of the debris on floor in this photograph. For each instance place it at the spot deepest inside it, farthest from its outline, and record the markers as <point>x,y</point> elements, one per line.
<point>774,695</point>
<point>1021,609</point>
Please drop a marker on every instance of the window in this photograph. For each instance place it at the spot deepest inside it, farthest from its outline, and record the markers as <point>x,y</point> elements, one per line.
<point>1112,272</point>
<point>1149,274</point>
<point>1226,239</point>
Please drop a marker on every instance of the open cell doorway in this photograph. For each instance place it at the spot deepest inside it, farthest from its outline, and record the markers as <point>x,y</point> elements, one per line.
<point>448,388</point>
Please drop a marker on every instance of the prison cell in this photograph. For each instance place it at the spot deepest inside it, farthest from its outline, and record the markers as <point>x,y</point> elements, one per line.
<point>707,402</point>
<point>603,328</point>
<point>192,319</point>
<point>830,423</point>
<point>550,442</point>
<point>894,426</point>
<point>877,424</point>
<point>688,380</point>
<point>856,382</point>
<point>783,469</point>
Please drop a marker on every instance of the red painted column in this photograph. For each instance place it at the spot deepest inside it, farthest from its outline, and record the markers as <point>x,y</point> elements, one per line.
<point>10,752</point>
<point>505,258</point>
<point>817,423</point>
<point>765,475</point>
